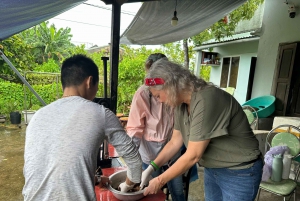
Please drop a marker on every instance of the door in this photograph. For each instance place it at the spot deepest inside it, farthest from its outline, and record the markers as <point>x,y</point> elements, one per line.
<point>293,107</point>
<point>281,89</point>
<point>251,78</point>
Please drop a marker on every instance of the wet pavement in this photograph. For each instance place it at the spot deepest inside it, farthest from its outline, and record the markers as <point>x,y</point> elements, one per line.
<point>12,140</point>
<point>11,162</point>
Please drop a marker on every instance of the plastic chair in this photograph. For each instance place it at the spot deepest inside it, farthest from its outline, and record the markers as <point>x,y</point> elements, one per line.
<point>286,187</point>
<point>251,116</point>
<point>230,90</point>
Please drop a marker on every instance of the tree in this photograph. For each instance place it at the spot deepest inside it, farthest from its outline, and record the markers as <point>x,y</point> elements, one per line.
<point>226,26</point>
<point>48,42</point>
<point>131,74</point>
<point>186,53</point>
<point>17,51</point>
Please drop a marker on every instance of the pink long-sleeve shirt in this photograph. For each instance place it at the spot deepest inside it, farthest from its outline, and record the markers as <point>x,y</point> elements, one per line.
<point>149,124</point>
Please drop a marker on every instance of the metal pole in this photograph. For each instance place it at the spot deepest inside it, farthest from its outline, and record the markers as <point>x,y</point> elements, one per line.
<point>21,77</point>
<point>114,52</point>
<point>104,59</point>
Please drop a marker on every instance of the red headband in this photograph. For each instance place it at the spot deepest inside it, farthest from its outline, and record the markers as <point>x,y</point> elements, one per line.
<point>154,81</point>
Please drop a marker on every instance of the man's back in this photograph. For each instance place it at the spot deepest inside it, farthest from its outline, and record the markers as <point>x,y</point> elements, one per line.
<point>61,147</point>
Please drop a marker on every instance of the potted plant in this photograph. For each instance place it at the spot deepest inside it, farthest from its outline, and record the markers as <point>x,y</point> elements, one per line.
<point>217,60</point>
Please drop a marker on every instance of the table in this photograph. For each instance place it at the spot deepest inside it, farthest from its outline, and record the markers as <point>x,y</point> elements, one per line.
<point>112,151</point>
<point>103,194</point>
<point>124,121</point>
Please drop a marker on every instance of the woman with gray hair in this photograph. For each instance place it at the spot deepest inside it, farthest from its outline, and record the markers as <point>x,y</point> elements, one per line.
<point>215,130</point>
<point>150,125</point>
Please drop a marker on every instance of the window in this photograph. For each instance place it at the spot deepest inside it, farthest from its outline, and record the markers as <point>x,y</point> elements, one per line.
<point>230,69</point>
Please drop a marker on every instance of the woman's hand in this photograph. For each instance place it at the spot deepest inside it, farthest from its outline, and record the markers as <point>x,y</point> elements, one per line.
<point>146,176</point>
<point>154,186</point>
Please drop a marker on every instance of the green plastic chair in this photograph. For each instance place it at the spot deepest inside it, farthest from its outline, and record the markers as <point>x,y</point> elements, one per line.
<point>286,187</point>
<point>230,90</point>
<point>251,115</point>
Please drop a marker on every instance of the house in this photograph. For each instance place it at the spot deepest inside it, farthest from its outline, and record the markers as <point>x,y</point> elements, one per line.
<point>233,59</point>
<point>277,67</point>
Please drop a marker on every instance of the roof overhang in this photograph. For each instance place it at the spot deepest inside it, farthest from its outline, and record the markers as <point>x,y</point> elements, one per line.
<point>17,15</point>
<point>206,46</point>
<point>152,23</point>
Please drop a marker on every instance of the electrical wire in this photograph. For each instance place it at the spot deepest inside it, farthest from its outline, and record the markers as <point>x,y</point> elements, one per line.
<point>102,7</point>
<point>81,22</point>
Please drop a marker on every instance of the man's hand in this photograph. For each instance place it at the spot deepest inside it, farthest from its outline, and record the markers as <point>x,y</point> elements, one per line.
<point>146,176</point>
<point>102,181</point>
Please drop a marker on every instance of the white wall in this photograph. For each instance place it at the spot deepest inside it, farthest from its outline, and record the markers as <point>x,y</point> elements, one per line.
<point>245,50</point>
<point>277,28</point>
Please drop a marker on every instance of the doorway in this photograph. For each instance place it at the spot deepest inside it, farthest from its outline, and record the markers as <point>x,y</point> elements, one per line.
<point>286,82</point>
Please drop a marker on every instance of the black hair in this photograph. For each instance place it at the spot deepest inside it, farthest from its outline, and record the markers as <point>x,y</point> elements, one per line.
<point>76,69</point>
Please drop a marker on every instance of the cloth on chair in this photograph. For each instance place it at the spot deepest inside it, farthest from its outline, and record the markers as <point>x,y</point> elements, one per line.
<point>267,169</point>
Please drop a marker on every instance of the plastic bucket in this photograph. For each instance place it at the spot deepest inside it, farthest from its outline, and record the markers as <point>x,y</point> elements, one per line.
<point>2,118</point>
<point>15,117</point>
<point>28,115</point>
<point>264,105</point>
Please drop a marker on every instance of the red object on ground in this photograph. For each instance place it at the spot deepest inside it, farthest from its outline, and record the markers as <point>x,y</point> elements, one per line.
<point>103,194</point>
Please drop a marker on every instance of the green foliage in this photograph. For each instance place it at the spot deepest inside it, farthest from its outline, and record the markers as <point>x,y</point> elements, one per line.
<point>49,66</point>
<point>175,53</point>
<point>131,75</point>
<point>11,98</point>
<point>48,42</point>
<point>223,28</point>
<point>17,51</point>
<point>47,84</point>
<point>205,72</point>
<point>79,49</point>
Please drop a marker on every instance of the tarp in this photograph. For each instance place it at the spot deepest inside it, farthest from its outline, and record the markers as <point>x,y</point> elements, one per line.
<point>152,23</point>
<point>18,15</point>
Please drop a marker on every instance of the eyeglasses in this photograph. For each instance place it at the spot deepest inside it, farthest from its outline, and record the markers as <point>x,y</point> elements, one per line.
<point>154,81</point>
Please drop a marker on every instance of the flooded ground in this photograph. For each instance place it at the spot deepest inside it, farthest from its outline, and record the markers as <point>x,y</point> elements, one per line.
<point>12,139</point>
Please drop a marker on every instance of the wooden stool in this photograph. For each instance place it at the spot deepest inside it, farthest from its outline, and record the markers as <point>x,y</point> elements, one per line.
<point>124,121</point>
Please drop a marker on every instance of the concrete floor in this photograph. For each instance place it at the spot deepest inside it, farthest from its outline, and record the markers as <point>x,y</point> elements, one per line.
<point>196,191</point>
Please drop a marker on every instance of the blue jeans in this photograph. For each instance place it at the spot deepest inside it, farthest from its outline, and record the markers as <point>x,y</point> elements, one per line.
<point>175,186</point>
<point>223,184</point>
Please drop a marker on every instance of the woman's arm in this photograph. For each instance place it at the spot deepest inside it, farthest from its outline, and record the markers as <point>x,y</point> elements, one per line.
<point>170,149</point>
<point>136,120</point>
<point>192,155</point>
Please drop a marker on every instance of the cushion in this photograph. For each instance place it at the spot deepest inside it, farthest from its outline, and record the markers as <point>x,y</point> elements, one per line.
<point>289,140</point>
<point>284,187</point>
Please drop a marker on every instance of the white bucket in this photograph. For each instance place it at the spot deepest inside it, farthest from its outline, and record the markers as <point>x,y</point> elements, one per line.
<point>28,115</point>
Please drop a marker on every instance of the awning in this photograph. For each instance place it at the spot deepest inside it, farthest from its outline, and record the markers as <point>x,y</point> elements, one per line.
<point>18,15</point>
<point>152,23</point>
